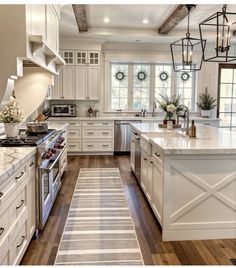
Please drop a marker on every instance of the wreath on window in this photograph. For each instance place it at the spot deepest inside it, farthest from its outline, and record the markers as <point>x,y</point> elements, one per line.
<point>141,75</point>
<point>163,76</point>
<point>185,76</point>
<point>120,75</point>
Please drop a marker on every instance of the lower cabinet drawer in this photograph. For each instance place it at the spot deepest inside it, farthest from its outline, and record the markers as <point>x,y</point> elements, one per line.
<point>73,133</point>
<point>5,253</point>
<point>18,205</point>
<point>97,133</point>
<point>74,146</point>
<point>4,224</point>
<point>97,123</point>
<point>18,245</point>
<point>97,146</point>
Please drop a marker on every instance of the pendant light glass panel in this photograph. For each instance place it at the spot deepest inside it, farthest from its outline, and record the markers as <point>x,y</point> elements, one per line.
<point>220,47</point>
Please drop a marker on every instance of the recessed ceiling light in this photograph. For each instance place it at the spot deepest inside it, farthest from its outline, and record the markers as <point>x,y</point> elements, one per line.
<point>145,21</point>
<point>106,20</point>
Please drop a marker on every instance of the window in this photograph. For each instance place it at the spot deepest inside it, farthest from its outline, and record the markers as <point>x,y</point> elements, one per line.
<point>227,96</point>
<point>163,81</point>
<point>135,86</point>
<point>119,87</point>
<point>185,87</point>
<point>141,86</point>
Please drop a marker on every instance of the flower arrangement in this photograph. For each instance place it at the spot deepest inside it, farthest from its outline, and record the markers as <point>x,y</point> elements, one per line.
<point>170,105</point>
<point>11,113</point>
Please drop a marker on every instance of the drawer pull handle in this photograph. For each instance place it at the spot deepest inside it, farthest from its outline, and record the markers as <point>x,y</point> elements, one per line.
<point>90,133</point>
<point>105,124</point>
<point>105,145</point>
<point>71,145</point>
<point>90,145</point>
<point>157,155</point>
<point>1,230</point>
<point>89,123</point>
<point>1,194</point>
<point>21,174</point>
<point>23,238</point>
<point>73,133</point>
<point>73,124</point>
<point>105,133</point>
<point>145,159</point>
<point>151,162</point>
<point>31,164</point>
<point>22,202</point>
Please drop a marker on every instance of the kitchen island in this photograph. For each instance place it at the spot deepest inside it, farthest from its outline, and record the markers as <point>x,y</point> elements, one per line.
<point>190,183</point>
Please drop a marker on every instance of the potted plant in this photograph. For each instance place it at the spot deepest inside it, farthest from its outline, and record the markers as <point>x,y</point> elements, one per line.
<point>171,106</point>
<point>206,103</point>
<point>11,116</point>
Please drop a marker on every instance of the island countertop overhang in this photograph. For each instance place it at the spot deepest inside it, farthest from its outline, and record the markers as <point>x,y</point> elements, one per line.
<point>210,140</point>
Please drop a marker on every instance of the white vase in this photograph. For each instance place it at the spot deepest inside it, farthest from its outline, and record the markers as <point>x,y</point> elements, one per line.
<point>11,130</point>
<point>205,113</point>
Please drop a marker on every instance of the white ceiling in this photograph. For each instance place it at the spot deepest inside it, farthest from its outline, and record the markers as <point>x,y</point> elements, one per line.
<point>126,22</point>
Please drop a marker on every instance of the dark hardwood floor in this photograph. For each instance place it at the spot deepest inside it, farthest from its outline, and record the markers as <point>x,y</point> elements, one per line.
<point>42,251</point>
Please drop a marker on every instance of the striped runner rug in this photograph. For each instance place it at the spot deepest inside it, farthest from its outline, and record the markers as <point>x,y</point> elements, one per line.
<point>99,229</point>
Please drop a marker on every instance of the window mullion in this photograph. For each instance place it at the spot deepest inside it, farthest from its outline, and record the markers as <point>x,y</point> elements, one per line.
<point>152,87</point>
<point>130,86</point>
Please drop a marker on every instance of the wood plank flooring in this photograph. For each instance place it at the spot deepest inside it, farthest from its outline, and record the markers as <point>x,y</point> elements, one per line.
<point>42,251</point>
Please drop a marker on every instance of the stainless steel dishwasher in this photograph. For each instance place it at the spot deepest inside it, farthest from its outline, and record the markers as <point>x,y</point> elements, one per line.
<point>122,135</point>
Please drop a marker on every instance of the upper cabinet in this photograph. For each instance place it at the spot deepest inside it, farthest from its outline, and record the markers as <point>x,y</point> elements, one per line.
<point>87,57</point>
<point>80,79</point>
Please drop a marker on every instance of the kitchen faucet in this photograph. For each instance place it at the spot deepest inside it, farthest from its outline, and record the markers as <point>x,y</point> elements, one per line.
<point>185,116</point>
<point>154,107</point>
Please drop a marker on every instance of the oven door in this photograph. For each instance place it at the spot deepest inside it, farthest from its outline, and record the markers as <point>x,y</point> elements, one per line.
<point>50,182</point>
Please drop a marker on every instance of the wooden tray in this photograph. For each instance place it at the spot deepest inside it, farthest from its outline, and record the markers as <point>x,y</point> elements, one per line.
<point>165,126</point>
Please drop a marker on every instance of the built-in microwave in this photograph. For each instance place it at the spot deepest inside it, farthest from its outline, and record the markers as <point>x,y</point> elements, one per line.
<point>63,110</point>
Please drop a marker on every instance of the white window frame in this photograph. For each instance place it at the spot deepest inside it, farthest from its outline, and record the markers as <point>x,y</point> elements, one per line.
<point>152,86</point>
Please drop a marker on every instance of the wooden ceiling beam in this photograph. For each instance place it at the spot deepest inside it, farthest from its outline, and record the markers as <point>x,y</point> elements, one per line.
<point>80,15</point>
<point>175,17</point>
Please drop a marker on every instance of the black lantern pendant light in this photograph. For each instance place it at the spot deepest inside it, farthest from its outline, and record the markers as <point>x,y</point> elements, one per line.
<point>221,24</point>
<point>187,52</point>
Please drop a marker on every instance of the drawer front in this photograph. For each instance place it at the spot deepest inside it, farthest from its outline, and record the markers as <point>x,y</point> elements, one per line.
<point>4,224</point>
<point>97,123</point>
<point>31,166</point>
<point>74,133</point>
<point>74,124</point>
<point>7,190</point>
<point>146,146</point>
<point>97,133</point>
<point>158,156</point>
<point>4,253</point>
<point>74,146</point>
<point>18,205</point>
<point>97,146</point>
<point>19,245</point>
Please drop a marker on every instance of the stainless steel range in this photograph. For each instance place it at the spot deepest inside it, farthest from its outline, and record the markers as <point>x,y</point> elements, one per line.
<point>51,163</point>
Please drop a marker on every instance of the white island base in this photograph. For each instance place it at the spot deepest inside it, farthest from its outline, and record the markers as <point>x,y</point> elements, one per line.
<point>201,206</point>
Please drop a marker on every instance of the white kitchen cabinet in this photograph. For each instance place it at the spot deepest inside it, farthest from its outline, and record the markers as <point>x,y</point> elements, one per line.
<point>157,188</point>
<point>144,170</point>
<point>87,57</point>
<point>64,84</point>
<point>17,213</point>
<point>132,152</point>
<point>87,82</point>
<point>68,56</point>
<point>37,18</point>
<point>68,83</point>
<point>52,27</point>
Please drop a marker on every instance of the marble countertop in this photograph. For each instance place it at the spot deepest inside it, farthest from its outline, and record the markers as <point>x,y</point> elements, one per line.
<point>12,158</point>
<point>209,140</point>
<point>147,118</point>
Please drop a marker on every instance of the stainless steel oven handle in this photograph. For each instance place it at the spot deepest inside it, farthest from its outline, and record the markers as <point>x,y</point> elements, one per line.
<point>48,170</point>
